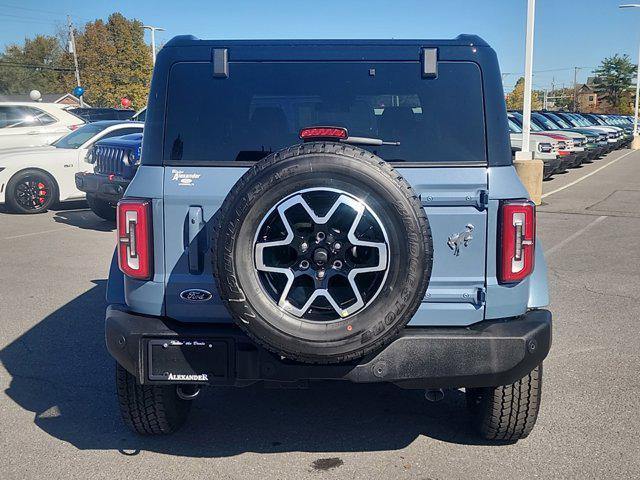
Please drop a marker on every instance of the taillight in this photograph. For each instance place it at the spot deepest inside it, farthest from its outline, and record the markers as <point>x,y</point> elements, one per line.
<point>135,252</point>
<point>310,133</point>
<point>75,127</point>
<point>517,241</point>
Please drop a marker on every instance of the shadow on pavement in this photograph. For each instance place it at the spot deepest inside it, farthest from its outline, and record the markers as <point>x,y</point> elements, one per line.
<point>84,219</point>
<point>62,373</point>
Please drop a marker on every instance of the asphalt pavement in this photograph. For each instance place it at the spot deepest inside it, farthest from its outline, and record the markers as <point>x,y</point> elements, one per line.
<point>59,418</point>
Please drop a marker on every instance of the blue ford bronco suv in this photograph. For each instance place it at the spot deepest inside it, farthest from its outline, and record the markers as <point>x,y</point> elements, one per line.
<point>311,210</point>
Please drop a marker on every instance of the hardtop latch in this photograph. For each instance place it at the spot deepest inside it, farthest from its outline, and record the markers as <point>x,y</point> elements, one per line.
<point>220,62</point>
<point>429,62</point>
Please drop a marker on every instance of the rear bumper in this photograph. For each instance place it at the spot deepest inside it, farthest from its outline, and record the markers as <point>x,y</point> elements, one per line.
<point>109,188</point>
<point>490,353</point>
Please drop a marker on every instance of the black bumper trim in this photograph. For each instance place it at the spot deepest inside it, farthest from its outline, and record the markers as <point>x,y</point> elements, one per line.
<point>104,187</point>
<point>490,353</point>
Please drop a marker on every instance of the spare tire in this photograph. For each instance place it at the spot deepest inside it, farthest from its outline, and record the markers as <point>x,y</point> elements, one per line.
<point>323,252</point>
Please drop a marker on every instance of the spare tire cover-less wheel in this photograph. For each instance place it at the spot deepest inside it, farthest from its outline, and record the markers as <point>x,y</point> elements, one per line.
<point>323,252</point>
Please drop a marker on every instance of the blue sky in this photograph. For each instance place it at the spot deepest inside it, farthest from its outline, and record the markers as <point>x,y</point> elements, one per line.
<point>568,33</point>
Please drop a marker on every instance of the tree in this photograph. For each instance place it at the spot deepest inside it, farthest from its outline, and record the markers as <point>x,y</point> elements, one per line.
<point>38,64</point>
<point>563,98</point>
<point>114,61</point>
<point>613,80</point>
<point>515,99</point>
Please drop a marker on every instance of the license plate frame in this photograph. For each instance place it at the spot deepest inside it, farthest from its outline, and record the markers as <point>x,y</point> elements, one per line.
<point>188,360</point>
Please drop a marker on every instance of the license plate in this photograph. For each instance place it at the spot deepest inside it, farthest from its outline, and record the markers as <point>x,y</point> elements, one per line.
<point>188,360</point>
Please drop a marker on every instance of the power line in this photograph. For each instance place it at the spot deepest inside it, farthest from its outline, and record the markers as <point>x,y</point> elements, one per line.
<point>35,67</point>
<point>38,10</point>
<point>22,19</point>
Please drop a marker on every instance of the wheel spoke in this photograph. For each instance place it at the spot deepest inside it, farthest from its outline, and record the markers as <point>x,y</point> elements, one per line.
<point>321,255</point>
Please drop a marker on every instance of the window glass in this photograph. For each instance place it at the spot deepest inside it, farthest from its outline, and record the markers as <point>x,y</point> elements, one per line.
<point>545,121</point>
<point>78,137</point>
<point>121,131</point>
<point>18,116</point>
<point>261,107</point>
<point>42,117</point>
<point>559,120</point>
<point>514,127</point>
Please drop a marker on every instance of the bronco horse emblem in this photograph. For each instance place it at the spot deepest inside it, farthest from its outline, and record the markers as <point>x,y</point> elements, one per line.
<point>462,238</point>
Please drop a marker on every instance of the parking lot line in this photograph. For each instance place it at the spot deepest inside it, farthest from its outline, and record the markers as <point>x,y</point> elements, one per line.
<point>575,235</point>
<point>38,233</point>
<point>587,175</point>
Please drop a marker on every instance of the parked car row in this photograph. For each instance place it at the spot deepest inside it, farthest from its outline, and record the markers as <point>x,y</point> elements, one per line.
<point>42,147</point>
<point>48,153</point>
<point>565,140</point>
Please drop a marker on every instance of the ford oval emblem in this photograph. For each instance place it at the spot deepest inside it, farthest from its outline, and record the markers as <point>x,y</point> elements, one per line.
<point>196,295</point>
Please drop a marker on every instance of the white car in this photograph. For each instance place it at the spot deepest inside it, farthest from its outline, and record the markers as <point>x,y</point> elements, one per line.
<point>34,178</point>
<point>31,124</point>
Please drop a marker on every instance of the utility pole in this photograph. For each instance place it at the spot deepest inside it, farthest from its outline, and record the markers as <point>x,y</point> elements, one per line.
<point>575,88</point>
<point>544,99</point>
<point>153,39</point>
<point>72,47</point>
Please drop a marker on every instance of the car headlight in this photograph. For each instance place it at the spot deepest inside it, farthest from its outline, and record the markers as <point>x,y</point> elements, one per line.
<point>131,158</point>
<point>545,147</point>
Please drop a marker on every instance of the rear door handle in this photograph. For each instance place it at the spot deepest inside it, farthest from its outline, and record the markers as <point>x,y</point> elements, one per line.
<point>196,244</point>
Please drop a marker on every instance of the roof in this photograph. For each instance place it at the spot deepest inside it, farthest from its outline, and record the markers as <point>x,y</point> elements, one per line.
<point>108,123</point>
<point>132,140</point>
<point>59,106</point>
<point>190,40</point>
<point>46,98</point>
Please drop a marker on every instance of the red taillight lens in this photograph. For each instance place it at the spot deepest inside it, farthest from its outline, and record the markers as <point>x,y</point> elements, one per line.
<point>323,132</point>
<point>517,241</point>
<point>75,127</point>
<point>135,252</point>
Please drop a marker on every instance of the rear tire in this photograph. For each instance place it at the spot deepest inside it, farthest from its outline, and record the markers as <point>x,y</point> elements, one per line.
<point>101,208</point>
<point>508,412</point>
<point>149,409</point>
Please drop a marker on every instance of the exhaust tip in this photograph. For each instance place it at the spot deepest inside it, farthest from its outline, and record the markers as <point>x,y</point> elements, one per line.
<point>187,392</point>
<point>434,395</point>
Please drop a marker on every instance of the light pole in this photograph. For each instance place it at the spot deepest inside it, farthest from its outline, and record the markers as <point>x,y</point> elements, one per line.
<point>529,170</point>
<point>153,39</point>
<point>635,117</point>
<point>526,153</point>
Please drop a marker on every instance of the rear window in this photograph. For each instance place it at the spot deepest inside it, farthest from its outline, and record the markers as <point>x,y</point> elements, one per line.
<point>261,107</point>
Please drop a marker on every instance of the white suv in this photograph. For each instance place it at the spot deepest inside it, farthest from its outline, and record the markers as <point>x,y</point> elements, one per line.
<point>31,124</point>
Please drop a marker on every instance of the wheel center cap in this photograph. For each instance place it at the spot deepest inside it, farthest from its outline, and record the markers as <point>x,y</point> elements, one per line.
<point>320,256</point>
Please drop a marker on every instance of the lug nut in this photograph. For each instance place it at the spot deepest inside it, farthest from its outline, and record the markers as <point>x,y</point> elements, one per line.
<point>304,264</point>
<point>337,264</point>
<point>320,236</point>
<point>337,246</point>
<point>304,246</point>
<point>320,274</point>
